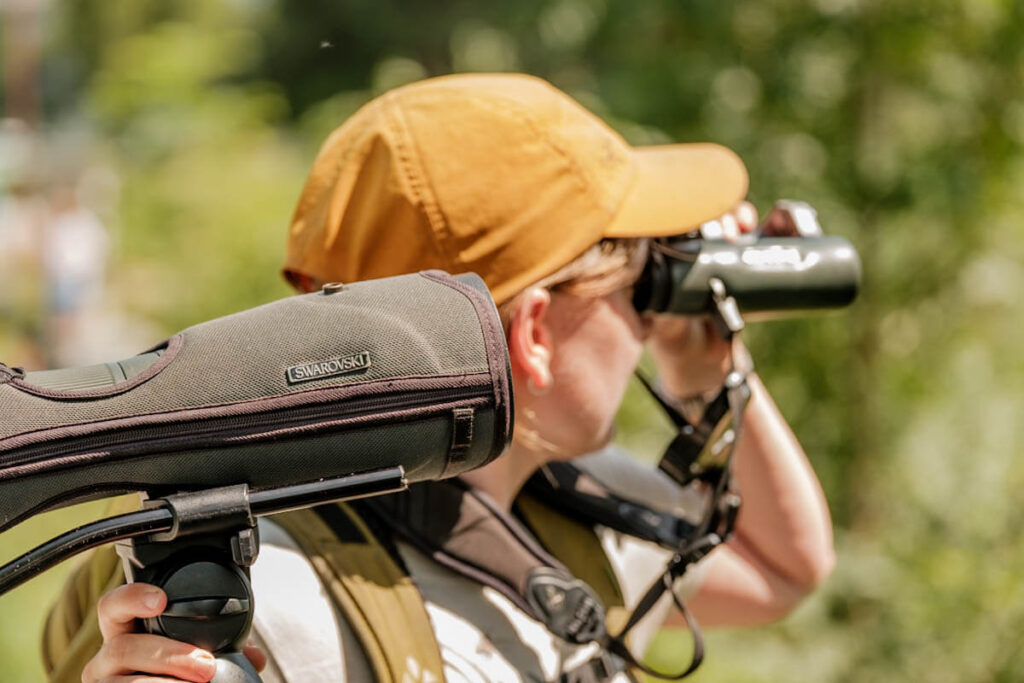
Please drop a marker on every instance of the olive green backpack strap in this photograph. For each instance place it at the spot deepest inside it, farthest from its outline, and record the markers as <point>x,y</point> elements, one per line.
<point>577,546</point>
<point>373,591</point>
<point>71,636</point>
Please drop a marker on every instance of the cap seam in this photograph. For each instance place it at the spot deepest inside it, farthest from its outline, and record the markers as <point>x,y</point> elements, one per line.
<point>406,149</point>
<point>524,115</point>
<point>332,232</point>
<point>361,124</point>
<point>514,108</point>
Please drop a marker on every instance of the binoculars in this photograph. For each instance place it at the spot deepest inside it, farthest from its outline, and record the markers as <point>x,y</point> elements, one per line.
<point>785,268</point>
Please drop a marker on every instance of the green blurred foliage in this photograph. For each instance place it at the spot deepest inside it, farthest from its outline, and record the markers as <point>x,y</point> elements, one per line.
<point>902,122</point>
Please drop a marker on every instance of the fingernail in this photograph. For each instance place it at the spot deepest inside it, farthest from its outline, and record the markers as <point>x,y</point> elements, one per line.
<point>152,600</point>
<point>205,660</point>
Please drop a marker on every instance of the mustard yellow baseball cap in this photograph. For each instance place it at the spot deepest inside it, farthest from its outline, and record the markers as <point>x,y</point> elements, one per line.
<point>500,174</point>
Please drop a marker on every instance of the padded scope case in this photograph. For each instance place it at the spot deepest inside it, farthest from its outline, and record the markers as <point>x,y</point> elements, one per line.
<point>410,370</point>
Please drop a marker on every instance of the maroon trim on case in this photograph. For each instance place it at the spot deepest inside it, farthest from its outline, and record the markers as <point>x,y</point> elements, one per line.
<point>497,354</point>
<point>254,407</point>
<point>173,344</point>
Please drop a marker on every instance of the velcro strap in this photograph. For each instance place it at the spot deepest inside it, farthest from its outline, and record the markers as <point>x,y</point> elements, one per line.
<point>462,434</point>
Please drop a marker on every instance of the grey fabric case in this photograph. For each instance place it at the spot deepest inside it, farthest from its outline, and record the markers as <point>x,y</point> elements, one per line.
<point>410,370</point>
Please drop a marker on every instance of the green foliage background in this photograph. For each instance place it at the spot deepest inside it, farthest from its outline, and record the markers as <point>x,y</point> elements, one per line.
<point>902,122</point>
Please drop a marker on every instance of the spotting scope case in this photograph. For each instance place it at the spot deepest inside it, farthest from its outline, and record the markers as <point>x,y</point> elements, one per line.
<point>407,371</point>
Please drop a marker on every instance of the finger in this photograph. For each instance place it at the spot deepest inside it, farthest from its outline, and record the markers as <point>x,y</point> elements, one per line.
<point>255,655</point>
<point>714,342</point>
<point>779,224</point>
<point>730,227</point>
<point>746,216</point>
<point>141,652</point>
<point>119,608</point>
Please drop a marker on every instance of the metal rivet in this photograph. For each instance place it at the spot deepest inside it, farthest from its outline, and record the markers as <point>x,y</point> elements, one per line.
<point>332,288</point>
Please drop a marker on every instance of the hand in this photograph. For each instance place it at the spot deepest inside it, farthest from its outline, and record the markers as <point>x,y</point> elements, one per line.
<point>779,223</point>
<point>692,357</point>
<point>125,654</point>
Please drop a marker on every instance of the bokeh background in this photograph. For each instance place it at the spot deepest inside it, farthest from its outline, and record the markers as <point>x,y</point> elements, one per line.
<point>151,152</point>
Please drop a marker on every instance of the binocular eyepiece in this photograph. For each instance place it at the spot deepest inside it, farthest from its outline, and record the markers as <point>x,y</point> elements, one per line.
<point>787,267</point>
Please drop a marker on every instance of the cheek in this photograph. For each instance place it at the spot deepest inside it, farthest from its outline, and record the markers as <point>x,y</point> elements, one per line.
<point>599,372</point>
<point>591,369</point>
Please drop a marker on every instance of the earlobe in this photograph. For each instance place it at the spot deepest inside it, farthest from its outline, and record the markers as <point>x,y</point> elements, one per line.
<point>540,381</point>
<point>529,342</point>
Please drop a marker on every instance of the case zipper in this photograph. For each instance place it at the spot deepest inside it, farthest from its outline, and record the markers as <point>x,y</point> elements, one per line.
<point>227,431</point>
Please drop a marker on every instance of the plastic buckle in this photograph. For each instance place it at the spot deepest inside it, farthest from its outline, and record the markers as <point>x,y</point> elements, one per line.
<point>726,313</point>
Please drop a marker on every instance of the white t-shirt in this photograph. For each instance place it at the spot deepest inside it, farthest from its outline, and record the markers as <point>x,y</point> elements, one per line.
<point>483,637</point>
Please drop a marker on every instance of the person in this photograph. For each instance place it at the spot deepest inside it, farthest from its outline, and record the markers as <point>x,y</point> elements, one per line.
<point>75,262</point>
<point>506,176</point>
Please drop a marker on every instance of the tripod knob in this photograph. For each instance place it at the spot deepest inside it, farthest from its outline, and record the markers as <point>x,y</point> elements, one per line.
<point>209,604</point>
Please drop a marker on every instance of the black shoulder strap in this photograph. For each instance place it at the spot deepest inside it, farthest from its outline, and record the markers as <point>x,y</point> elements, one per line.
<point>463,530</point>
<point>567,488</point>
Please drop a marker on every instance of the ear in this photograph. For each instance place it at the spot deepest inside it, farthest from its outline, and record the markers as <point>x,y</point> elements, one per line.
<point>529,342</point>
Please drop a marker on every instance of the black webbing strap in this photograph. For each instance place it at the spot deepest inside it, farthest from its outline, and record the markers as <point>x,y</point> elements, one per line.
<point>700,452</point>
<point>567,488</point>
<point>463,530</point>
<point>618,647</point>
<point>721,519</point>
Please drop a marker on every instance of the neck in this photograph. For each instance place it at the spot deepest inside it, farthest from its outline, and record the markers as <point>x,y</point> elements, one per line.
<point>503,478</point>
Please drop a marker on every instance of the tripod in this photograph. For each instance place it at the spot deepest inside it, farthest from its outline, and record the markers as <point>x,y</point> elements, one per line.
<point>198,547</point>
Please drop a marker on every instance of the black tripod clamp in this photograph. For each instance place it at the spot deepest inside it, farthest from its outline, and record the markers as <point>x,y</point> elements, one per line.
<point>202,564</point>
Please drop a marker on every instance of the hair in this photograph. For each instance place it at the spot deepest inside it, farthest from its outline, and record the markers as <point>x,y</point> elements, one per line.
<point>609,265</point>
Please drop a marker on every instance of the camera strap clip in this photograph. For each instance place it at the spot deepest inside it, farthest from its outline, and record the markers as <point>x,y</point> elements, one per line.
<point>726,312</point>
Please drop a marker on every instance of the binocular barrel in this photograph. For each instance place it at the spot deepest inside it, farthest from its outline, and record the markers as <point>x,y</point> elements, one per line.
<point>769,277</point>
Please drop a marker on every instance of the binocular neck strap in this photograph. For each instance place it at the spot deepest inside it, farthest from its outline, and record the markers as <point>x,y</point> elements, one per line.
<point>701,452</point>
<point>463,530</point>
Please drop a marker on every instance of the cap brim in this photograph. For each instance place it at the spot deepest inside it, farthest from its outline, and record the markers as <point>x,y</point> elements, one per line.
<point>678,187</point>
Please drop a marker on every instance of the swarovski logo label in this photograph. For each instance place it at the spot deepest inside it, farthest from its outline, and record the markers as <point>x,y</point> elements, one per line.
<point>329,368</point>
